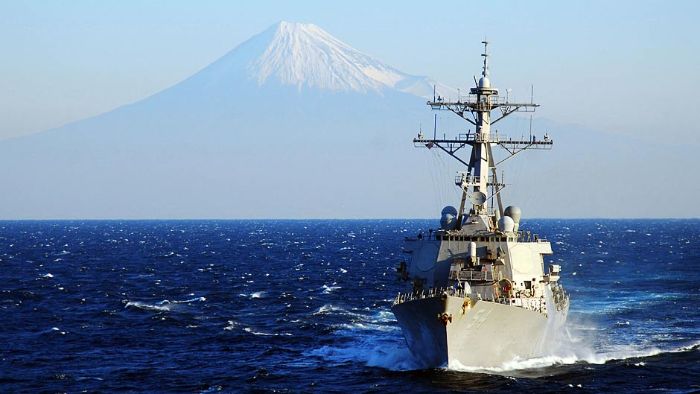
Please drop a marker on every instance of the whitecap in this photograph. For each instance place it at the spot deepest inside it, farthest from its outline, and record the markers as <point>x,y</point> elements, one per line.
<point>49,275</point>
<point>197,299</point>
<point>52,330</point>
<point>329,289</point>
<point>266,334</point>
<point>364,326</point>
<point>328,309</point>
<point>253,295</point>
<point>163,306</point>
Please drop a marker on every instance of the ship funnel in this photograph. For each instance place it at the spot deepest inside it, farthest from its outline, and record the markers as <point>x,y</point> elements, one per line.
<point>448,218</point>
<point>514,213</point>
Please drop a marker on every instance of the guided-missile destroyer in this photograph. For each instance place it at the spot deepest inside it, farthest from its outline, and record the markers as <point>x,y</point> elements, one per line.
<point>480,295</point>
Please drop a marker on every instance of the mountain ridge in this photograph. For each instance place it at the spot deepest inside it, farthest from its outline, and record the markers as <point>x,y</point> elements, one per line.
<point>305,56</point>
<point>222,143</point>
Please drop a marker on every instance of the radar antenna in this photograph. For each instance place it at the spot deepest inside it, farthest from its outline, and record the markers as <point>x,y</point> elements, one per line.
<point>480,180</point>
<point>485,71</point>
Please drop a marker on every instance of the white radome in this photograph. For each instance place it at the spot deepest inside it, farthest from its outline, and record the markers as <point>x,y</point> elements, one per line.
<point>484,82</point>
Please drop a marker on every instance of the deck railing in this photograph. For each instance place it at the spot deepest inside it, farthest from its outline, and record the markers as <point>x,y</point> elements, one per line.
<point>529,303</point>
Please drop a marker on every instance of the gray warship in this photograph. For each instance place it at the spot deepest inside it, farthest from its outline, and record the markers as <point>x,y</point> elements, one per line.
<point>479,295</point>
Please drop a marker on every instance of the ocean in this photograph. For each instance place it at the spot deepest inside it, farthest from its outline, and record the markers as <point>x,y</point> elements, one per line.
<point>304,306</point>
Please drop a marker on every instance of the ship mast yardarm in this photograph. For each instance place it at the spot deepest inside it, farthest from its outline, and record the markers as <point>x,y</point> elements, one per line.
<point>480,181</point>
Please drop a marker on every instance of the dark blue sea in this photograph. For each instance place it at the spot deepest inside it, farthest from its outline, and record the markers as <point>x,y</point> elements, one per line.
<point>303,306</point>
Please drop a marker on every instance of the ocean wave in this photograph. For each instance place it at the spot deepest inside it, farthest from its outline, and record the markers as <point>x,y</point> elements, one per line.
<point>383,316</point>
<point>267,334</point>
<point>329,289</point>
<point>380,350</point>
<point>360,326</point>
<point>232,325</point>
<point>359,321</point>
<point>371,338</point>
<point>328,309</point>
<point>53,330</point>
<point>197,299</point>
<point>161,306</point>
<point>254,295</point>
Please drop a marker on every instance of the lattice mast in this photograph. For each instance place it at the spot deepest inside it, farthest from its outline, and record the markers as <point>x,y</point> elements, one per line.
<point>480,181</point>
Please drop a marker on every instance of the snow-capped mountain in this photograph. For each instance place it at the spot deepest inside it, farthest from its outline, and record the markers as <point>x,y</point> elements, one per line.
<point>305,56</point>
<point>290,123</point>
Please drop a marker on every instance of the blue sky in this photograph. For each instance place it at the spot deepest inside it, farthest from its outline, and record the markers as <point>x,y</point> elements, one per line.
<point>618,66</point>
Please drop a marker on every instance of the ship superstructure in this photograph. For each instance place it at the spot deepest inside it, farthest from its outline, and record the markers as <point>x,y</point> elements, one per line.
<point>479,292</point>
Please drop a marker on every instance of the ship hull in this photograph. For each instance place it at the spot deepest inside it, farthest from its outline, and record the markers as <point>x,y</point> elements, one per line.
<point>454,331</point>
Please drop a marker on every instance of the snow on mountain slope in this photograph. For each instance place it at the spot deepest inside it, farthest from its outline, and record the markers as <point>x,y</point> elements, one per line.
<point>304,55</point>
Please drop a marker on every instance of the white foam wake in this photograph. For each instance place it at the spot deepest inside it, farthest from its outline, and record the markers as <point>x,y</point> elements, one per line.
<point>384,351</point>
<point>622,353</point>
<point>569,341</point>
<point>374,340</point>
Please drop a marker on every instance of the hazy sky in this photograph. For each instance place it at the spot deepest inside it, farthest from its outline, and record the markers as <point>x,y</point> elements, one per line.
<point>620,66</point>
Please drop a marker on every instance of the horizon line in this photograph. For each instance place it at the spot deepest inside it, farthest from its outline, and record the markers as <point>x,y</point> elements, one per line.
<point>314,219</point>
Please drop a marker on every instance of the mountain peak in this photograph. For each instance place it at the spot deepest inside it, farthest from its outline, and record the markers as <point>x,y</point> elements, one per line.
<point>305,55</point>
<point>294,27</point>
